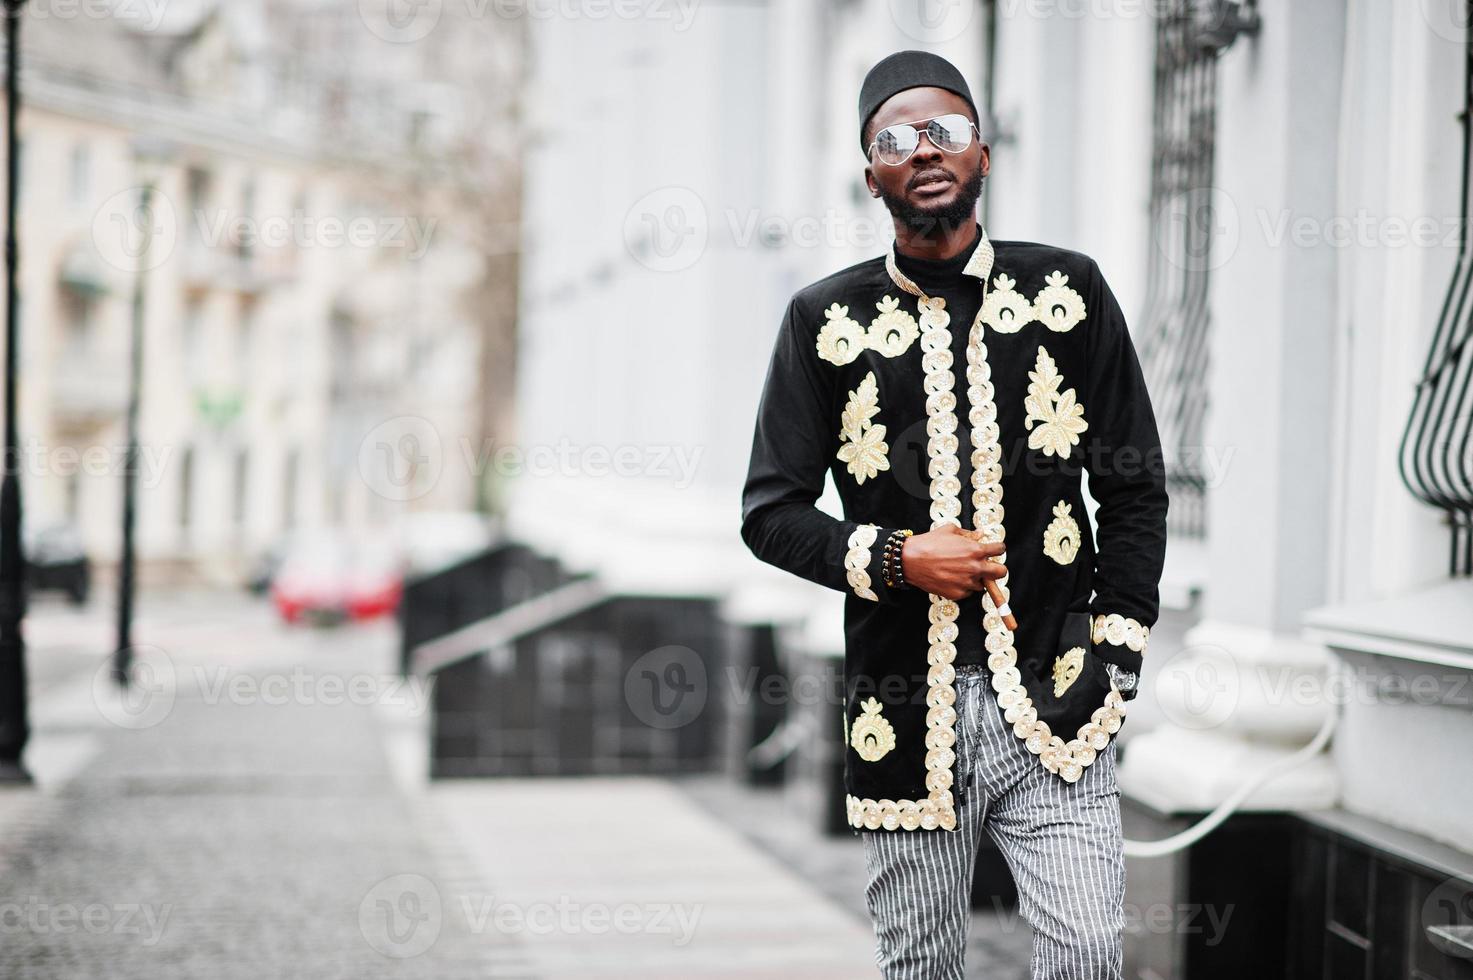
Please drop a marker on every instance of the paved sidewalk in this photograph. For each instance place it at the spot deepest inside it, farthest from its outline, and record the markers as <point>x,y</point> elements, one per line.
<point>248,817</point>
<point>999,941</point>
<point>232,837</point>
<point>649,885</point>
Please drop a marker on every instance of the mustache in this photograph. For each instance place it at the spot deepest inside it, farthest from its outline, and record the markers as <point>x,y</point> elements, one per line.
<point>935,173</point>
<point>926,219</point>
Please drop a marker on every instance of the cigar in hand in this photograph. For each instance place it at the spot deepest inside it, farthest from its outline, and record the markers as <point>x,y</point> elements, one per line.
<point>996,592</point>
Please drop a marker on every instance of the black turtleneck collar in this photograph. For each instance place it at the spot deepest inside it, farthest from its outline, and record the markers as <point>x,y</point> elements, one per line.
<point>939,273</point>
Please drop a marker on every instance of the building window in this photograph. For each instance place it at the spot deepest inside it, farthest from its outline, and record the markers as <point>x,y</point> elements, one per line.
<point>336,504</point>
<point>299,220</point>
<point>1436,452</point>
<point>73,497</point>
<point>1175,322</point>
<point>77,310</point>
<point>79,183</point>
<point>197,183</point>
<point>241,480</point>
<point>193,342</point>
<point>248,317</point>
<point>186,488</point>
<point>246,241</point>
<point>289,489</point>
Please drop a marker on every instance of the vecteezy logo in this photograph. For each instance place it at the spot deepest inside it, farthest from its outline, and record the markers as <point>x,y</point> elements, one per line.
<point>1202,229</point>
<point>932,21</point>
<point>401,459</point>
<point>130,238</point>
<point>401,916</point>
<point>666,687</point>
<point>1447,916</point>
<point>1447,18</point>
<point>400,21</point>
<point>666,230</point>
<point>149,696</point>
<point>1198,687</point>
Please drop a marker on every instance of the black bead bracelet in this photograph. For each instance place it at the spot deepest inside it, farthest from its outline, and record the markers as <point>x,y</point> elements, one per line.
<point>891,568</point>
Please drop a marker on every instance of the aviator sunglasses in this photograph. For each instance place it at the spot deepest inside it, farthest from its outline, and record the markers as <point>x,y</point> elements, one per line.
<point>952,132</point>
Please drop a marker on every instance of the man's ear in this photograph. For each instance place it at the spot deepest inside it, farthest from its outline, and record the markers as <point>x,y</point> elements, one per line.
<point>870,182</point>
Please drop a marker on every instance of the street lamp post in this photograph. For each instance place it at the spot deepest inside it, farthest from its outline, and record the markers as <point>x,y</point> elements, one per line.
<point>150,155</point>
<point>15,728</point>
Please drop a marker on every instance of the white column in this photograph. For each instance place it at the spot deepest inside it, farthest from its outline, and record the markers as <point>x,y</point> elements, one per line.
<point>1246,691</point>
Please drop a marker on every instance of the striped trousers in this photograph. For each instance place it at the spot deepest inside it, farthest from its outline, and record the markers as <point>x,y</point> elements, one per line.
<point>1063,843</point>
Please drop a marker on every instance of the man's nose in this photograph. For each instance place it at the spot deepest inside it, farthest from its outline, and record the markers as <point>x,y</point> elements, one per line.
<point>925,149</point>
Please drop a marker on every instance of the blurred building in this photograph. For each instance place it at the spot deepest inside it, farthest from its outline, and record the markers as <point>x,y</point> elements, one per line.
<point>1278,195</point>
<point>331,271</point>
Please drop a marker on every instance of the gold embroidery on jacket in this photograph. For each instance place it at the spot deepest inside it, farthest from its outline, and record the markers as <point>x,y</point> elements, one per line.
<point>893,331</point>
<point>841,339</point>
<point>938,809</point>
<point>1067,670</point>
<point>1057,305</point>
<point>1006,310</point>
<point>1066,759</point>
<point>871,735</point>
<point>1060,417</point>
<point>857,559</point>
<point>1061,537</point>
<point>980,264</point>
<point>1121,631</point>
<point>862,442</point>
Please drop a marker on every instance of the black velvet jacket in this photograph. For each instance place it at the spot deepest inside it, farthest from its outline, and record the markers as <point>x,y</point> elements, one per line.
<point>987,424</point>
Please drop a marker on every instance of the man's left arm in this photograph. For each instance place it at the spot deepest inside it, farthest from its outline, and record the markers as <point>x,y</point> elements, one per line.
<point>1127,478</point>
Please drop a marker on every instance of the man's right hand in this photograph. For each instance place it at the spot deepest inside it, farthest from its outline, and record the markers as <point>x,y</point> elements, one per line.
<point>951,562</point>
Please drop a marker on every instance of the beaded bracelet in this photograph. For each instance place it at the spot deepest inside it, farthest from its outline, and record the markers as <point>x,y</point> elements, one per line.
<point>892,569</point>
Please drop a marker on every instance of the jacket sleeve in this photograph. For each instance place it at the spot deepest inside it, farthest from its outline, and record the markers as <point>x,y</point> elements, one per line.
<point>1127,478</point>
<point>794,439</point>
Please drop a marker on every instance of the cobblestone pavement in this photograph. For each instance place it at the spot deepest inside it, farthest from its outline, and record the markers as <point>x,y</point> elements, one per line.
<point>256,809</point>
<point>221,823</point>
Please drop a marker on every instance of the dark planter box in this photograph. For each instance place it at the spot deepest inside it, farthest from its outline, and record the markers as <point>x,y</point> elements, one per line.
<point>622,687</point>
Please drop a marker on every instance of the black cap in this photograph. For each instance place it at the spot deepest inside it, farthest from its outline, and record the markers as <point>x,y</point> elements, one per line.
<point>903,70</point>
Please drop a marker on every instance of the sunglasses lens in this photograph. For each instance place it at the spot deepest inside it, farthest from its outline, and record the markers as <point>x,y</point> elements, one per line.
<point>952,133</point>
<point>895,144</point>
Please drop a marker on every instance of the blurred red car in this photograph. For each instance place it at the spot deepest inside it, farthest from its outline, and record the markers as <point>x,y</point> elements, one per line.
<point>333,576</point>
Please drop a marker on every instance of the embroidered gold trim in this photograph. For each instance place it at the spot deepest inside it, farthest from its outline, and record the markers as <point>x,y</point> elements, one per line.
<point>871,735</point>
<point>1060,416</point>
<point>841,339</point>
<point>1066,759</point>
<point>980,264</point>
<point>1057,305</point>
<point>856,560</point>
<point>1067,669</point>
<point>893,331</point>
<point>1121,630</point>
<point>862,443</point>
<point>1006,310</point>
<point>938,809</point>
<point>1061,537</point>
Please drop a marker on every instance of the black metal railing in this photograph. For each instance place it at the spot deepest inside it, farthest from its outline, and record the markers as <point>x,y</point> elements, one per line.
<point>1176,318</point>
<point>1436,452</point>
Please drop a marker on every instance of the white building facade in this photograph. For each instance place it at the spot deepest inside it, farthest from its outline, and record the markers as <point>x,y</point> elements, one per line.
<point>306,279</point>
<point>1277,196</point>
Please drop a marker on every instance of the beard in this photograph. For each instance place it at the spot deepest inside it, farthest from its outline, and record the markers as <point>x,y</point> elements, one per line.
<point>925,220</point>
